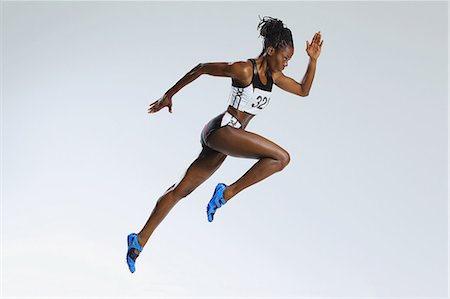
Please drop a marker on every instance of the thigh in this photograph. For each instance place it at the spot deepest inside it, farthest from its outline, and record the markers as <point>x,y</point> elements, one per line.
<point>199,171</point>
<point>244,144</point>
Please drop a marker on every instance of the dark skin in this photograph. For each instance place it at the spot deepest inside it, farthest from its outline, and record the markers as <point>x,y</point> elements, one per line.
<point>229,141</point>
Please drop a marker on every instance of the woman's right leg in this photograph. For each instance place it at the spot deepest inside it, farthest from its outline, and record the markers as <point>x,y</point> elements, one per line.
<point>200,170</point>
<point>240,143</point>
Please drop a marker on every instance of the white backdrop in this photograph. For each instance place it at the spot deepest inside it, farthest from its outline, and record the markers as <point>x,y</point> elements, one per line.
<point>361,210</point>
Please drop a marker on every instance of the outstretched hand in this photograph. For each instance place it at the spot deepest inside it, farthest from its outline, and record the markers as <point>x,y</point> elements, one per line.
<point>164,101</point>
<point>313,48</point>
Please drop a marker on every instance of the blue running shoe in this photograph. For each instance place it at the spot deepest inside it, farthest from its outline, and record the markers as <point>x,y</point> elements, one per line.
<point>131,253</point>
<point>216,201</point>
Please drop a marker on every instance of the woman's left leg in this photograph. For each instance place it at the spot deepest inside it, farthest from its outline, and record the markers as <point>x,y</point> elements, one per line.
<point>199,171</point>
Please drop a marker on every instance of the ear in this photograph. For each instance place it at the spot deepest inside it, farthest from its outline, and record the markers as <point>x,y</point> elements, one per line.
<point>270,50</point>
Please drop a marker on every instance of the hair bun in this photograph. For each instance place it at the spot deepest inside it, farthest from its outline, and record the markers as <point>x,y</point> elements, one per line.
<point>270,26</point>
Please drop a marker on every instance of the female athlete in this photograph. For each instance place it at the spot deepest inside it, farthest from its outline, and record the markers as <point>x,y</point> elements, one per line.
<point>225,134</point>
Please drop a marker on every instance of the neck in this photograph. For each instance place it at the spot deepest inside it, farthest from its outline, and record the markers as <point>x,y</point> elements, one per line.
<point>263,64</point>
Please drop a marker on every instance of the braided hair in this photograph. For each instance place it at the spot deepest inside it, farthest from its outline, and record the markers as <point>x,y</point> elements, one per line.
<point>275,34</point>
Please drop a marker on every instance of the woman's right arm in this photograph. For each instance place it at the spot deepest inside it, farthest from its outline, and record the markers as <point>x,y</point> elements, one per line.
<point>239,71</point>
<point>234,70</point>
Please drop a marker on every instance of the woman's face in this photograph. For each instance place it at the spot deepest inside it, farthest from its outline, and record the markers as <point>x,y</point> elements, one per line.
<point>280,57</point>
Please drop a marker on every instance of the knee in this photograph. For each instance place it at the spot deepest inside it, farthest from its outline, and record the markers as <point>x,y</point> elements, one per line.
<point>283,159</point>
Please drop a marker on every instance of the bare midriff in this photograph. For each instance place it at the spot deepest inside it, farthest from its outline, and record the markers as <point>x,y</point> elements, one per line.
<point>243,117</point>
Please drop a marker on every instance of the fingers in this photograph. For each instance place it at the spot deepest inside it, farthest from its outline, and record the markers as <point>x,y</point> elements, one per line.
<point>159,104</point>
<point>153,104</point>
<point>152,110</point>
<point>154,107</point>
<point>317,37</point>
<point>314,38</point>
<point>315,42</point>
<point>314,48</point>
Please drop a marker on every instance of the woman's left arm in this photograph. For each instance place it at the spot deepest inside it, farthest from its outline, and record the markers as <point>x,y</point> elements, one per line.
<point>302,89</point>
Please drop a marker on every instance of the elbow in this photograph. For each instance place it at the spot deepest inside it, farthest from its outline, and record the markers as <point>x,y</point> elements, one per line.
<point>199,69</point>
<point>303,93</point>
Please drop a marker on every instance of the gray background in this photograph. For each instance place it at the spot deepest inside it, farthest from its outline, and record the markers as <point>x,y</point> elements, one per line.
<point>361,210</point>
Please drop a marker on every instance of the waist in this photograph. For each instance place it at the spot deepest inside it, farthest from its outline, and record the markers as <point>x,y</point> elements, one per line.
<point>243,117</point>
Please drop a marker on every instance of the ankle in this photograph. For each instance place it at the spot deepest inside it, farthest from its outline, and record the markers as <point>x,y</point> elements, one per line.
<point>141,241</point>
<point>228,193</point>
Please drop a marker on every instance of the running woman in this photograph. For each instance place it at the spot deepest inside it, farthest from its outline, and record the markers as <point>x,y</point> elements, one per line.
<point>225,134</point>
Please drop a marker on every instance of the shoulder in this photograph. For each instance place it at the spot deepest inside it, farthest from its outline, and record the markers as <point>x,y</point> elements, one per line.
<point>276,76</point>
<point>241,71</point>
<point>245,68</point>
